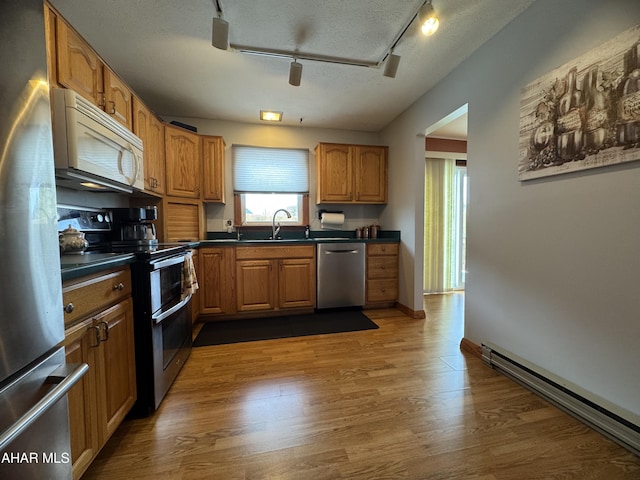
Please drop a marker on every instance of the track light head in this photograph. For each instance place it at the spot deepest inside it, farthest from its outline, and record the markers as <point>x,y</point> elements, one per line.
<point>391,66</point>
<point>427,19</point>
<point>295,73</point>
<point>220,33</point>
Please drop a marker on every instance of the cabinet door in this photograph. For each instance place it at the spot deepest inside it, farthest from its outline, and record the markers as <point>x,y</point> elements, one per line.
<point>156,162</point>
<point>195,299</point>
<point>211,280</point>
<point>151,131</point>
<point>117,369</point>
<point>182,150</point>
<point>255,285</point>
<point>334,178</point>
<point>296,282</point>
<point>213,164</point>
<point>117,99</point>
<point>78,66</point>
<point>183,219</point>
<point>370,174</point>
<point>80,344</point>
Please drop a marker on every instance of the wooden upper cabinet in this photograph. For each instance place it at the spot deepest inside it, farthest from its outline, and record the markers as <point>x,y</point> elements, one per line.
<point>182,150</point>
<point>151,130</point>
<point>78,66</point>
<point>118,98</point>
<point>213,166</point>
<point>370,174</point>
<point>334,178</point>
<point>351,173</point>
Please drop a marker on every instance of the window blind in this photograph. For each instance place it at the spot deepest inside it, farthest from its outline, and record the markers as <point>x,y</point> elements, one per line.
<point>270,170</point>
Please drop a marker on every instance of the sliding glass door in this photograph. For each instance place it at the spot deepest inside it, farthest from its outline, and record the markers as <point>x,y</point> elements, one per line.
<point>446,188</point>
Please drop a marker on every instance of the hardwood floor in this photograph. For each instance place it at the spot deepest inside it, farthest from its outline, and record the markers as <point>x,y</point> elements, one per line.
<point>398,402</point>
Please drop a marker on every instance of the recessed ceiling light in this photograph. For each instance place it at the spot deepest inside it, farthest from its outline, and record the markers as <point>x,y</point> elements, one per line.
<point>270,116</point>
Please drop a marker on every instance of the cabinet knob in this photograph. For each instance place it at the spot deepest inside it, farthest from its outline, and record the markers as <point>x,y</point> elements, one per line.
<point>118,287</point>
<point>68,308</point>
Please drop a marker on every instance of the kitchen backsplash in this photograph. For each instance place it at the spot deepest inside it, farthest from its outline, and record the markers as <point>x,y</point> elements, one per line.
<point>355,216</point>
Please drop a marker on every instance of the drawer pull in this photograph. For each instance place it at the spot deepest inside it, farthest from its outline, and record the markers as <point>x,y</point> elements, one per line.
<point>69,307</point>
<point>118,287</point>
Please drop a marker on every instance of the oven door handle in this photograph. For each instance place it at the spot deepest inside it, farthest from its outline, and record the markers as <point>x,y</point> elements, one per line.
<point>162,315</point>
<point>168,262</point>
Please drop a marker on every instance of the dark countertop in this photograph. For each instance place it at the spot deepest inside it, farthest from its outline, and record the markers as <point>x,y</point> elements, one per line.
<point>253,239</point>
<point>74,266</point>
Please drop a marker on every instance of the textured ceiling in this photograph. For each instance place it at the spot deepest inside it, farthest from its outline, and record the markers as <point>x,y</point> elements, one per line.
<point>162,49</point>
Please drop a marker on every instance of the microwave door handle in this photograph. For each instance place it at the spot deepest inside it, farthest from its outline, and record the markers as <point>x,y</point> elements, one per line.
<point>162,315</point>
<point>136,167</point>
<point>168,262</point>
<point>136,163</point>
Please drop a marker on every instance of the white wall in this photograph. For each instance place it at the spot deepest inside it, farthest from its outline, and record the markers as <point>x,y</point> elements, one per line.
<point>554,264</point>
<point>288,137</point>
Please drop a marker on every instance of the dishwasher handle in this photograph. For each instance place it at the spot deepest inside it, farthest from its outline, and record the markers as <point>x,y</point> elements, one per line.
<point>330,252</point>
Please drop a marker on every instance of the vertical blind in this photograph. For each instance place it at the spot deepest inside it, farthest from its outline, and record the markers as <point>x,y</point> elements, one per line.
<point>270,170</point>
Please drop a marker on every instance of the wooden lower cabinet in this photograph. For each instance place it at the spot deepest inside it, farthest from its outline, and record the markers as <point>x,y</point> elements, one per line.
<point>80,344</point>
<point>382,274</point>
<point>296,283</point>
<point>255,285</point>
<point>103,339</point>
<point>195,299</point>
<point>116,367</point>
<point>216,279</point>
<point>274,278</point>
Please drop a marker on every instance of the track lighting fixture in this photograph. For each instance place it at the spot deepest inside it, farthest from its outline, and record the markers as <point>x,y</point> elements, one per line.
<point>425,16</point>
<point>220,33</point>
<point>295,73</point>
<point>391,66</point>
<point>427,19</point>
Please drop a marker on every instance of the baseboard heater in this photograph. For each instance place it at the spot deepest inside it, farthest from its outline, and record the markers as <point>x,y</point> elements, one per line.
<point>617,428</point>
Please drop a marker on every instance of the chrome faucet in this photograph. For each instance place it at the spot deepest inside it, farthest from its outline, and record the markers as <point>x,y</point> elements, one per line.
<point>275,230</point>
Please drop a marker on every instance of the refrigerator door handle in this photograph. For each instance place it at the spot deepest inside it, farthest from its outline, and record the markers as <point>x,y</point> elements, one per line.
<point>64,377</point>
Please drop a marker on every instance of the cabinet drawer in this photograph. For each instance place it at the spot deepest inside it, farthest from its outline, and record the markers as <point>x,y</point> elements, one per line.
<point>382,291</point>
<point>382,267</point>
<point>283,251</point>
<point>382,249</point>
<point>90,294</point>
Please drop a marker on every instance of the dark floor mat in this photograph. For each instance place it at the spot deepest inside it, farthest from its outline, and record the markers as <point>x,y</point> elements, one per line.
<point>249,330</point>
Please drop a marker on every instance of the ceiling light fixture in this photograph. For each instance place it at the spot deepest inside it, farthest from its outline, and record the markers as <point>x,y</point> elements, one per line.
<point>429,23</point>
<point>270,116</point>
<point>391,66</point>
<point>219,30</point>
<point>295,73</point>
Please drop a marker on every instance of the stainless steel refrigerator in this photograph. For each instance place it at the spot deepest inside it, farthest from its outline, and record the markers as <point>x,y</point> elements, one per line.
<point>34,379</point>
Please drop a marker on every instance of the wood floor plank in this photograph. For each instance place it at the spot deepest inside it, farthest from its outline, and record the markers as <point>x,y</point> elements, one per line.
<point>398,402</point>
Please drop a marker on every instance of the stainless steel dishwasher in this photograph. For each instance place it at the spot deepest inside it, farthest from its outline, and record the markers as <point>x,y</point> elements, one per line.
<point>341,274</point>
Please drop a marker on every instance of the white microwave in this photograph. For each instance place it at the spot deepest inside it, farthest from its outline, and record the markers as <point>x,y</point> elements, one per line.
<point>91,149</point>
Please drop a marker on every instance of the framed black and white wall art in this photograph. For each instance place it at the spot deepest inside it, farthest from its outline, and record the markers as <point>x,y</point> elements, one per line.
<point>584,114</point>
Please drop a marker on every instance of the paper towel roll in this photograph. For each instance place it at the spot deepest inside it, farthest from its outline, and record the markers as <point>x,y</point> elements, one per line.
<point>332,220</point>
